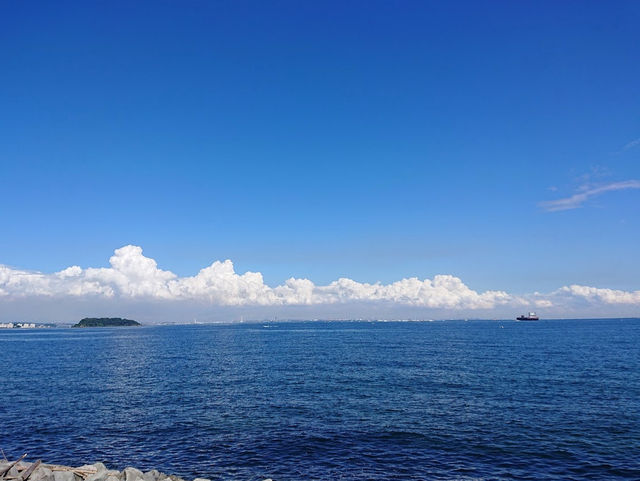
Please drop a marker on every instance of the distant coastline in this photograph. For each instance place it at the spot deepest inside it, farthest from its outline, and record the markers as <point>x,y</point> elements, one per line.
<point>122,322</point>
<point>106,322</point>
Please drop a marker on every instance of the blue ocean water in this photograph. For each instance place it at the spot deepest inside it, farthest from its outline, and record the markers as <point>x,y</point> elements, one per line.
<point>331,400</point>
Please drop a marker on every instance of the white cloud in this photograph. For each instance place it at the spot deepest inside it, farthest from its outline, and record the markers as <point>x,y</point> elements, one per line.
<point>136,280</point>
<point>631,145</point>
<point>134,276</point>
<point>580,198</point>
<point>444,291</point>
<point>598,295</point>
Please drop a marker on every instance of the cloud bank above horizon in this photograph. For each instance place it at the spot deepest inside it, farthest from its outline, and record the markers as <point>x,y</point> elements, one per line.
<point>135,277</point>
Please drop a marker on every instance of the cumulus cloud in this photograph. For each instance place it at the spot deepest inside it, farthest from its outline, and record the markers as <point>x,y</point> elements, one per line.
<point>136,280</point>
<point>578,199</point>
<point>135,276</point>
<point>599,295</point>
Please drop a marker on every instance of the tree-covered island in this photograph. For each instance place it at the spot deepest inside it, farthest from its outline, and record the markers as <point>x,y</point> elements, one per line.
<point>106,322</point>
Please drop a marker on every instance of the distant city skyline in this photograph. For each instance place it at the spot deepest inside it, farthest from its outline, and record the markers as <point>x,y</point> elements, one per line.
<point>424,160</point>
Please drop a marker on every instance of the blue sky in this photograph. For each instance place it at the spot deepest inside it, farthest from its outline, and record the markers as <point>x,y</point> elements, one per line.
<point>371,140</point>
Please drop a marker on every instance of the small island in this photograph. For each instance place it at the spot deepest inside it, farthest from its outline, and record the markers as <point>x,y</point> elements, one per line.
<point>106,322</point>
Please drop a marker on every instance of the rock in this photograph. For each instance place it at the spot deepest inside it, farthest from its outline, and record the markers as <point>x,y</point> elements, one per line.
<point>99,476</point>
<point>133,474</point>
<point>64,476</point>
<point>12,472</point>
<point>113,478</point>
<point>101,473</point>
<point>201,479</point>
<point>41,474</point>
<point>153,475</point>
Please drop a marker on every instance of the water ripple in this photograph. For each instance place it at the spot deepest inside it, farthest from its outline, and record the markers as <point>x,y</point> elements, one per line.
<point>445,401</point>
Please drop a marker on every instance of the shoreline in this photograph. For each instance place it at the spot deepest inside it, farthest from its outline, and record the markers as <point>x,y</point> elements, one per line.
<point>20,470</point>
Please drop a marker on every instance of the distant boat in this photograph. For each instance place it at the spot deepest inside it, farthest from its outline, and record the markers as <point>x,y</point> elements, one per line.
<point>529,317</point>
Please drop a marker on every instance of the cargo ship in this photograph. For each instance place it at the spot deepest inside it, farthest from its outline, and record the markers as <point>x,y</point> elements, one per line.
<point>529,317</point>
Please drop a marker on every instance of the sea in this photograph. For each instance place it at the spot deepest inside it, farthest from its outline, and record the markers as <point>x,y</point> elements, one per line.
<point>447,400</point>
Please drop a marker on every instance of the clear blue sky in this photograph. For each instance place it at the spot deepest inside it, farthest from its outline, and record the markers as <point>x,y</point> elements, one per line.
<point>374,140</point>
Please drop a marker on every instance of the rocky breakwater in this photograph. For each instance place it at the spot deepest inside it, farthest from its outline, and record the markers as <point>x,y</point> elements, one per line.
<point>23,471</point>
